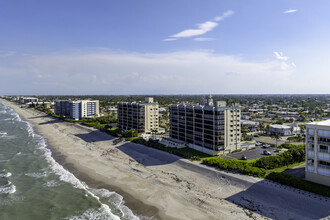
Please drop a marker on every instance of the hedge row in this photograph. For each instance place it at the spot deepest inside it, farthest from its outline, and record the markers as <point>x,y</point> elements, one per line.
<point>294,155</point>
<point>235,165</point>
<point>295,182</point>
<point>291,146</point>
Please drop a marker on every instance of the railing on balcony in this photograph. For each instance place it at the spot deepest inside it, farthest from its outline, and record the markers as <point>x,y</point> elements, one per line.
<point>324,142</point>
<point>310,141</point>
<point>324,150</point>
<point>324,166</point>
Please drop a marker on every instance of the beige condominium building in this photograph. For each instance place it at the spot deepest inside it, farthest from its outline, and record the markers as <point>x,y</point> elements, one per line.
<point>212,128</point>
<point>318,152</point>
<point>143,117</point>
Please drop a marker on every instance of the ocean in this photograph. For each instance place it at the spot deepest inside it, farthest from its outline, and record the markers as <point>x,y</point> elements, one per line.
<point>34,186</point>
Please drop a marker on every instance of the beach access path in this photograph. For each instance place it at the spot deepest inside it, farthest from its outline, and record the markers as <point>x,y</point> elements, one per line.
<point>175,188</point>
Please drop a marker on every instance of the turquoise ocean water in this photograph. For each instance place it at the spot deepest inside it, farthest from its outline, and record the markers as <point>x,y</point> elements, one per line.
<point>34,186</point>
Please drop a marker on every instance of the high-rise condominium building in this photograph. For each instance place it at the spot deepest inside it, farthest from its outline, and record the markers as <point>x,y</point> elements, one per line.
<point>77,109</point>
<point>140,116</point>
<point>318,152</point>
<point>210,128</point>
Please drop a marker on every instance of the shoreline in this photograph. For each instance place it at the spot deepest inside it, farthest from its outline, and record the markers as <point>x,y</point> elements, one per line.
<point>159,184</point>
<point>137,207</point>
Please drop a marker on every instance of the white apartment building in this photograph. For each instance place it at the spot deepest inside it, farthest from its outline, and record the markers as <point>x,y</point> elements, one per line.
<point>318,152</point>
<point>24,100</point>
<point>77,109</point>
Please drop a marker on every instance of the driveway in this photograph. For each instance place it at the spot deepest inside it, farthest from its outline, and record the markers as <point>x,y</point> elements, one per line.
<point>251,154</point>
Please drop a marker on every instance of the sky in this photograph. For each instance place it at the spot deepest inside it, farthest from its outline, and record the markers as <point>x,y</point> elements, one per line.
<point>137,47</point>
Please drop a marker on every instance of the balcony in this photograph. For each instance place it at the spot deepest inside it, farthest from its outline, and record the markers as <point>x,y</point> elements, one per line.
<point>324,150</point>
<point>324,166</point>
<point>310,154</point>
<point>324,143</point>
<point>310,168</point>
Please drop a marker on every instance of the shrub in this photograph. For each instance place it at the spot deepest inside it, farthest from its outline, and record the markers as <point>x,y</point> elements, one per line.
<point>130,133</point>
<point>291,146</point>
<point>235,165</point>
<point>294,155</point>
<point>299,183</point>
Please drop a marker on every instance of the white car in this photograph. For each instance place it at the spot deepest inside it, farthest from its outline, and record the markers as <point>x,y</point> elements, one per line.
<point>266,152</point>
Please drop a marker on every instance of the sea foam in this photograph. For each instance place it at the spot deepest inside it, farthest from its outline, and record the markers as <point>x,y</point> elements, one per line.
<point>8,189</point>
<point>65,176</point>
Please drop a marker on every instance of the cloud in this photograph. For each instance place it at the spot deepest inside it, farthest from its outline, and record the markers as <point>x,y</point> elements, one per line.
<point>204,39</point>
<point>169,39</point>
<point>290,11</point>
<point>201,29</point>
<point>182,72</point>
<point>286,66</point>
<point>279,55</point>
<point>224,15</point>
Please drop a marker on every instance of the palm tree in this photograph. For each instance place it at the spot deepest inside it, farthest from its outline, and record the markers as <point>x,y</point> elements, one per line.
<point>277,137</point>
<point>291,129</point>
<point>261,126</point>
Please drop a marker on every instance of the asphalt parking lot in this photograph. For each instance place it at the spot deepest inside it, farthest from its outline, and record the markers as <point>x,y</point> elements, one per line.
<point>251,154</point>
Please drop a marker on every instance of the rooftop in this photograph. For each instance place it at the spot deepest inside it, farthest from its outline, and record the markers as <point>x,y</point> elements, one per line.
<point>324,123</point>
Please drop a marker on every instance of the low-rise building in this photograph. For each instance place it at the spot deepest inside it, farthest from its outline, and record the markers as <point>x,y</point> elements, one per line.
<point>24,100</point>
<point>283,130</point>
<point>77,109</point>
<point>318,152</point>
<point>144,117</point>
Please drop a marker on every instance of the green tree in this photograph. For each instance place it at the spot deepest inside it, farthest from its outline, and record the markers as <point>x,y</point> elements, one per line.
<point>277,137</point>
<point>291,129</point>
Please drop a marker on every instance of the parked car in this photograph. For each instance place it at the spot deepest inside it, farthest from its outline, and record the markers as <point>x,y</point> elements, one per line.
<point>266,152</point>
<point>256,135</point>
<point>243,157</point>
<point>265,146</point>
<point>258,143</point>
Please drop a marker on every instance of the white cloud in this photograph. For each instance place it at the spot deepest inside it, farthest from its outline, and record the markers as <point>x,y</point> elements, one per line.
<point>141,73</point>
<point>290,11</point>
<point>284,64</point>
<point>203,39</point>
<point>201,29</point>
<point>279,55</point>
<point>169,39</point>
<point>224,15</point>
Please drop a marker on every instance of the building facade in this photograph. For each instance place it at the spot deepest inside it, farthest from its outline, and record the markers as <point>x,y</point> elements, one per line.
<point>77,109</point>
<point>24,100</point>
<point>210,128</point>
<point>143,117</point>
<point>318,152</point>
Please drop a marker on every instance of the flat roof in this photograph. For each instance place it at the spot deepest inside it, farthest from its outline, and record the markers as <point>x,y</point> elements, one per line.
<point>280,126</point>
<point>324,123</point>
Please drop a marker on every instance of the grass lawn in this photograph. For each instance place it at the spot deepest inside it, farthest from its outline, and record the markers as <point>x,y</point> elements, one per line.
<point>284,168</point>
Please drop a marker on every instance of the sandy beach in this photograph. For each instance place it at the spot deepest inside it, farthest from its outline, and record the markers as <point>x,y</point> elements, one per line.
<point>164,186</point>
